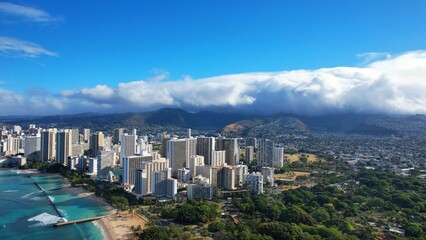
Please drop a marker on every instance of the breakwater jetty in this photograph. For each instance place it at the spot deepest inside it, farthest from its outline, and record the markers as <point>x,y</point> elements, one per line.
<point>48,198</point>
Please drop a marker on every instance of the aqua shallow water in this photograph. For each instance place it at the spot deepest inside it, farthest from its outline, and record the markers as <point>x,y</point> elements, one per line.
<point>25,212</point>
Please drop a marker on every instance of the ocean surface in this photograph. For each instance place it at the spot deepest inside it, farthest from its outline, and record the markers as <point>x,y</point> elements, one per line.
<point>25,211</point>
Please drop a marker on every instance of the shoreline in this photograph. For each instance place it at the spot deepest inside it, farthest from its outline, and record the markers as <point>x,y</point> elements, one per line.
<point>105,231</point>
<point>113,226</point>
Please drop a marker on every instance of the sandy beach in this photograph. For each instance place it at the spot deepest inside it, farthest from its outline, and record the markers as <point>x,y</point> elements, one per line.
<point>114,226</point>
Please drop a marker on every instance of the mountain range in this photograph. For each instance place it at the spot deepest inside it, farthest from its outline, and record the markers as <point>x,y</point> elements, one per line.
<point>234,123</point>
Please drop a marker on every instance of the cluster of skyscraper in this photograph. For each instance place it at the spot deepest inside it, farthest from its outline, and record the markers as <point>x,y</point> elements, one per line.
<point>197,164</point>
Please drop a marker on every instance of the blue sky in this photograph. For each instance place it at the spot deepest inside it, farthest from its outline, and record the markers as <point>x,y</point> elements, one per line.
<point>59,52</point>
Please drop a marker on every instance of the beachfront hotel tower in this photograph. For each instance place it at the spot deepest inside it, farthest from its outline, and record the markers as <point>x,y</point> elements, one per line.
<point>48,144</point>
<point>96,143</point>
<point>63,146</point>
<point>32,146</point>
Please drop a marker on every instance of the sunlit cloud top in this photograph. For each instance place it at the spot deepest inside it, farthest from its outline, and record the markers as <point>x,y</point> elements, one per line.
<point>394,85</point>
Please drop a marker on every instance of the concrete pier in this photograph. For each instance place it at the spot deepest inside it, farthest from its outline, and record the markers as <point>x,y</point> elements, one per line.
<point>61,224</point>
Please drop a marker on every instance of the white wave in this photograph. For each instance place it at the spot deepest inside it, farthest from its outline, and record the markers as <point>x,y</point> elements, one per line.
<point>99,225</point>
<point>63,213</point>
<point>10,191</point>
<point>51,198</point>
<point>44,219</point>
<point>27,195</point>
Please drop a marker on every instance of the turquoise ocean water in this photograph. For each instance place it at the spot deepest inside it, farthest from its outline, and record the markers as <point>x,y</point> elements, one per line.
<point>25,212</point>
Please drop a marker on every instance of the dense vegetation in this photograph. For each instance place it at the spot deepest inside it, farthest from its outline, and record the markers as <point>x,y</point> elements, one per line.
<point>113,194</point>
<point>345,204</point>
<point>363,205</point>
<point>192,212</point>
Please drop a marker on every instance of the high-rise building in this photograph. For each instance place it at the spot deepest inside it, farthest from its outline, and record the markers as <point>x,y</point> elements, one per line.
<point>251,141</point>
<point>194,161</point>
<point>278,157</point>
<point>249,154</point>
<point>164,137</point>
<point>96,143</point>
<point>191,149</point>
<point>106,162</point>
<point>32,130</point>
<point>230,146</point>
<point>163,185</point>
<point>205,171</point>
<point>75,135</point>
<point>107,143</point>
<point>205,148</point>
<point>268,175</point>
<point>200,189</point>
<point>48,144</point>
<point>143,146</point>
<point>77,149</point>
<point>141,180</point>
<point>2,147</point>
<point>128,145</point>
<point>82,164</point>
<point>189,134</point>
<point>14,145</point>
<point>240,175</point>
<point>17,129</point>
<point>218,158</point>
<point>158,182</point>
<point>179,152</point>
<point>214,176</point>
<point>184,175</point>
<point>86,134</point>
<point>265,153</point>
<point>144,186</point>
<point>93,165</point>
<point>226,178</point>
<point>63,146</point>
<point>32,146</point>
<point>254,183</point>
<point>130,164</point>
<point>117,135</point>
<point>171,188</point>
<point>72,163</point>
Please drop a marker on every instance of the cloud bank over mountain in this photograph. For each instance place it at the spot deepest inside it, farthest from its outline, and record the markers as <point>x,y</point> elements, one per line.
<point>396,85</point>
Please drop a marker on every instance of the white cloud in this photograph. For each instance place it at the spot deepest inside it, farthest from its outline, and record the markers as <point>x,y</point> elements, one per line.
<point>30,13</point>
<point>98,92</point>
<point>391,85</point>
<point>12,47</point>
